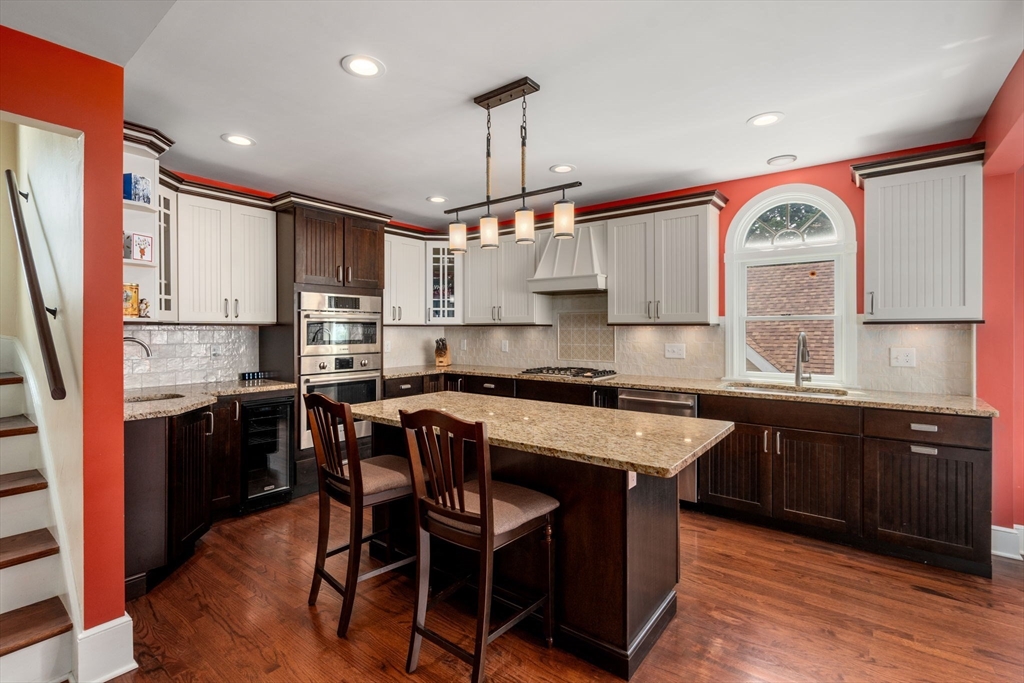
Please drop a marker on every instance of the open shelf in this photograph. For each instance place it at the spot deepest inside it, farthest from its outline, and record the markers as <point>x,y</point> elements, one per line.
<point>140,206</point>
<point>133,262</point>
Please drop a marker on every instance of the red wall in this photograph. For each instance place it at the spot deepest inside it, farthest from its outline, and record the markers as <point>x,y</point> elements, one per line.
<point>46,82</point>
<point>1000,364</point>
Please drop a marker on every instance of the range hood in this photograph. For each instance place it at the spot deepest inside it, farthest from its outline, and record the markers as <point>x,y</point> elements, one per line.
<point>575,266</point>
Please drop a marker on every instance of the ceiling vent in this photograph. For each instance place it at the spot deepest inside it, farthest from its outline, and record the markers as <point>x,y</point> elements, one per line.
<point>574,266</point>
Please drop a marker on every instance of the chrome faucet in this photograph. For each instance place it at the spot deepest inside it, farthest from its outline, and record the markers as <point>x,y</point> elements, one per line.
<point>149,351</point>
<point>803,355</point>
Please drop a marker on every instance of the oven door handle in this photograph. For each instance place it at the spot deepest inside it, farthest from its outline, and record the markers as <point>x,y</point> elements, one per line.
<point>340,318</point>
<point>335,378</point>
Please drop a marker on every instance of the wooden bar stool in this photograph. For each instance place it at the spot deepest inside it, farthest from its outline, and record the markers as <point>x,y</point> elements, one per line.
<point>479,514</point>
<point>363,484</point>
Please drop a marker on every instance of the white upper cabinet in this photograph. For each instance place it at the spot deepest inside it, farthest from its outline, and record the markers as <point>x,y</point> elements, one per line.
<point>204,258</point>
<point>663,267</point>
<point>481,289</point>
<point>444,284</point>
<point>404,281</point>
<point>497,291</point>
<point>167,255</point>
<point>253,265</point>
<point>922,245</point>
<point>227,262</point>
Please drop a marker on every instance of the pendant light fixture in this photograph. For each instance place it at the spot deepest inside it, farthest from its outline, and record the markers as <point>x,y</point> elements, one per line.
<point>564,210</point>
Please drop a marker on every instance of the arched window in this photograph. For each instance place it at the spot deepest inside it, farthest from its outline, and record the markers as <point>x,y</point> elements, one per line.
<point>791,268</point>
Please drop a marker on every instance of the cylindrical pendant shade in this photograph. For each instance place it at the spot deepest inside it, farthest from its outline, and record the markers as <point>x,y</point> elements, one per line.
<point>488,232</point>
<point>457,237</point>
<point>524,226</point>
<point>564,220</point>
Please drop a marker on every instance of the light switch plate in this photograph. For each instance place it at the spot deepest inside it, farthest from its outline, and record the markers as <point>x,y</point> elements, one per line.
<point>675,350</point>
<point>463,345</point>
<point>387,347</point>
<point>504,345</point>
<point>902,358</point>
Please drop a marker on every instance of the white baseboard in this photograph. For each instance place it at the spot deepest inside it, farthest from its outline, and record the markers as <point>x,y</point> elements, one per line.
<point>1008,543</point>
<point>105,651</point>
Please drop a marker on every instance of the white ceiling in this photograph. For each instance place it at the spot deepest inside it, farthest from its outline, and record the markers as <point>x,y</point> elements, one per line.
<point>111,30</point>
<point>641,96</point>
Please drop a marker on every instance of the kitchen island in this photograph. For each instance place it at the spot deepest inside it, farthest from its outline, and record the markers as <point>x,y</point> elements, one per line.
<point>617,527</point>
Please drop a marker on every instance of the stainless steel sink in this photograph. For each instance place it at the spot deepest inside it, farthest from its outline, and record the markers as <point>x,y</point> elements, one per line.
<point>783,389</point>
<point>152,397</point>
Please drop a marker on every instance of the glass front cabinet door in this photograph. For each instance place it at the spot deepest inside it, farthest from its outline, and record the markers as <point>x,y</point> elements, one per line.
<point>444,286</point>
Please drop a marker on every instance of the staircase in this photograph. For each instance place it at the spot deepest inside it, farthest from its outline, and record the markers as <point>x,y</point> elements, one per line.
<point>36,639</point>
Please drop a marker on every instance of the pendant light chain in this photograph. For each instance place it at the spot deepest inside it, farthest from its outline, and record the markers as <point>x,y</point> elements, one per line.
<point>522,137</point>
<point>488,159</point>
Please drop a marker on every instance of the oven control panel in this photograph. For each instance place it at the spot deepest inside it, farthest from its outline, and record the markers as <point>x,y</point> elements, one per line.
<point>361,362</point>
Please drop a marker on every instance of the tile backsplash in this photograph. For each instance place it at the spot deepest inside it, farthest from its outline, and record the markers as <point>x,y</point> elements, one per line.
<point>187,354</point>
<point>945,353</point>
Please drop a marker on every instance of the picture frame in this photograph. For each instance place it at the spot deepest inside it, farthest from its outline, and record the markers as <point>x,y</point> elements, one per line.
<point>142,247</point>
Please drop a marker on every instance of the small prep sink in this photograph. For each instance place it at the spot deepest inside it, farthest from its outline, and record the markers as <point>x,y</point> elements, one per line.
<point>783,389</point>
<point>152,397</point>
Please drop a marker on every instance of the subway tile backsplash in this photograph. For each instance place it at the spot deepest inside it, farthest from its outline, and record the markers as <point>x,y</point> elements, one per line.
<point>188,354</point>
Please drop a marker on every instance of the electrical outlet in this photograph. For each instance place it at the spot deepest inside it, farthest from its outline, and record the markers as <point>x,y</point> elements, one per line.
<point>387,347</point>
<point>675,350</point>
<point>504,345</point>
<point>214,351</point>
<point>464,345</point>
<point>902,358</point>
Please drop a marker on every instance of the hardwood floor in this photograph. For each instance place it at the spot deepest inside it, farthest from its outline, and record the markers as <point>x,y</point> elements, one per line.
<point>754,605</point>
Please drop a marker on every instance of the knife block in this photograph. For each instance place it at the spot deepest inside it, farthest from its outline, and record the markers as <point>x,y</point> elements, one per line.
<point>442,359</point>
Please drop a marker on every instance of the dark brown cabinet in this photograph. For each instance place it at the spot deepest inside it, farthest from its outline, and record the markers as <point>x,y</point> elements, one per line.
<point>319,247</point>
<point>737,472</point>
<point>403,386</point>
<point>338,250</point>
<point>188,502</point>
<point>226,458</point>
<point>364,254</point>
<point>816,479</point>
<point>566,392</point>
<point>492,386</point>
<point>932,498</point>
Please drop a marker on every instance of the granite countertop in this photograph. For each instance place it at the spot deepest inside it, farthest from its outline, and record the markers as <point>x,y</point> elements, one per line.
<point>658,445</point>
<point>888,400</point>
<point>191,396</point>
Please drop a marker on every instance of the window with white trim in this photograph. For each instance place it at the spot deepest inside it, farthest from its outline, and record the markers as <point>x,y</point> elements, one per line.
<point>791,268</point>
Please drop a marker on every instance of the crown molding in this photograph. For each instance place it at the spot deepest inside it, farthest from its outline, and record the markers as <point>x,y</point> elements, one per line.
<point>150,138</point>
<point>918,162</point>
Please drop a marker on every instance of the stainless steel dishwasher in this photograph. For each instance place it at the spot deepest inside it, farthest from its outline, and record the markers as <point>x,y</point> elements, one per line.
<point>666,403</point>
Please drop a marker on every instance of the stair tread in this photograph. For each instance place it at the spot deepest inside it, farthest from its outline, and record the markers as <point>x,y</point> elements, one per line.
<point>32,624</point>
<point>16,425</point>
<point>26,547</point>
<point>21,482</point>
<point>10,378</point>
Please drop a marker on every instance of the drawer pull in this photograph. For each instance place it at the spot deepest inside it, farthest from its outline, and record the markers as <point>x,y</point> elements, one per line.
<point>917,427</point>
<point>488,386</point>
<point>405,386</point>
<point>924,450</point>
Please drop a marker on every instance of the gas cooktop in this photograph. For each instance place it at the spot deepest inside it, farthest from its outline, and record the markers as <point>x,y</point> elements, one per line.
<point>582,373</point>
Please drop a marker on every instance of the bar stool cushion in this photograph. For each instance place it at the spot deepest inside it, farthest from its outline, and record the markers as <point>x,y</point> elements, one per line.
<point>382,473</point>
<point>513,506</point>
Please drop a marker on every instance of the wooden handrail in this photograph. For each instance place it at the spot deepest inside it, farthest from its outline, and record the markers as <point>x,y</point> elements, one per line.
<point>39,309</point>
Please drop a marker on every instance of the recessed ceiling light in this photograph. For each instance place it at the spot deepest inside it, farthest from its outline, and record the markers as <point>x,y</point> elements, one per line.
<point>765,119</point>
<point>236,139</point>
<point>562,168</point>
<point>437,199</point>
<point>363,65</point>
<point>782,160</point>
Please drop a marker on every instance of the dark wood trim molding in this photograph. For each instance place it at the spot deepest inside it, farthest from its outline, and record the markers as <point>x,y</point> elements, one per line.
<point>712,197</point>
<point>288,200</point>
<point>918,162</point>
<point>150,138</point>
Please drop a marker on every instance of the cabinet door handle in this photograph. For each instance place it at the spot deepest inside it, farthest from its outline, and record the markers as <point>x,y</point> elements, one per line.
<point>488,385</point>
<point>238,410</point>
<point>649,309</point>
<point>917,427</point>
<point>405,386</point>
<point>493,317</point>
<point>593,398</point>
<point>778,442</point>
<point>924,450</point>
<point>499,312</point>
<point>349,274</point>
<point>399,312</point>
<point>871,296</point>
<point>766,441</point>
<point>236,308</point>
<point>460,384</point>
<point>657,309</point>
<point>226,308</point>
<point>209,415</point>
